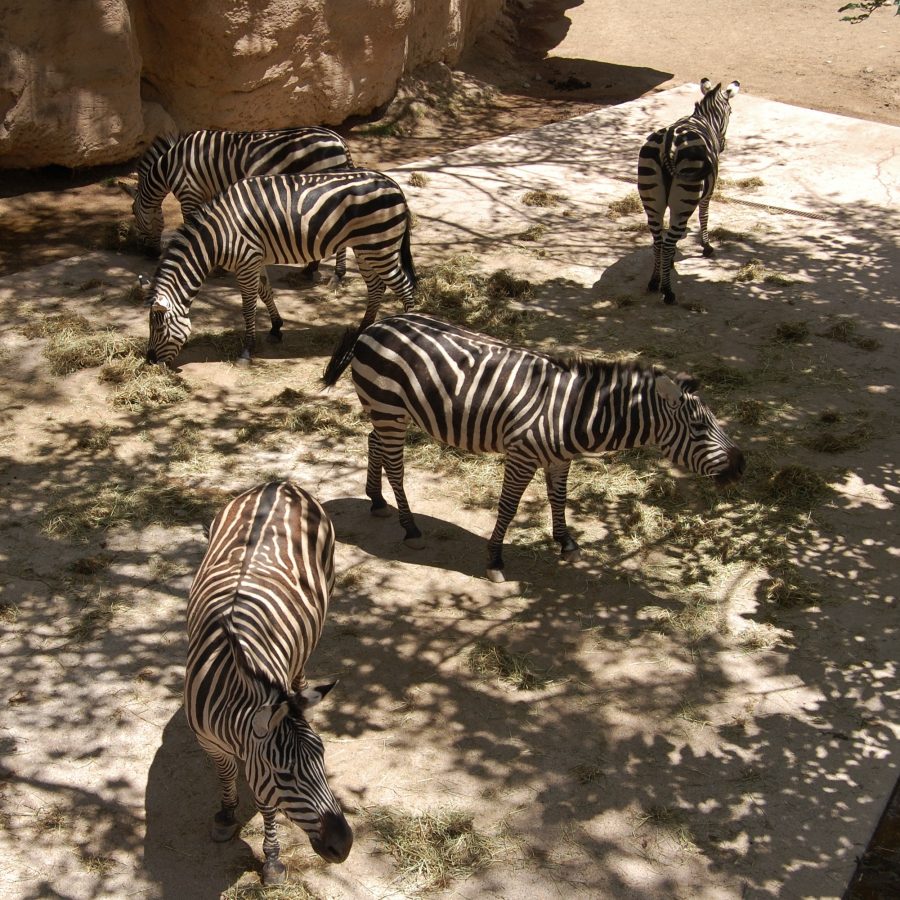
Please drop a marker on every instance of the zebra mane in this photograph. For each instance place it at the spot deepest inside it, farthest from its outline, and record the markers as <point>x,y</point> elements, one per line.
<point>245,665</point>
<point>708,101</point>
<point>587,366</point>
<point>160,146</point>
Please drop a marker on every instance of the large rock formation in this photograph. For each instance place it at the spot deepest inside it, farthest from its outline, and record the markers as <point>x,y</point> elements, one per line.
<point>90,81</point>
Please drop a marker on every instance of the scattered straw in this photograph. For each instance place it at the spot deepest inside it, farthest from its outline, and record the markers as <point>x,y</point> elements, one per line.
<point>628,205</point>
<point>798,487</point>
<point>791,332</point>
<point>488,659</point>
<point>534,233</point>
<point>832,440</point>
<point>140,385</point>
<point>433,849</point>
<point>297,890</point>
<point>418,179</point>
<point>846,331</point>
<point>70,349</point>
<point>541,198</point>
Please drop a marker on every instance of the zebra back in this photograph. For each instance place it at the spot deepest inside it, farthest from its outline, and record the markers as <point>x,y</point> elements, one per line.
<point>258,601</point>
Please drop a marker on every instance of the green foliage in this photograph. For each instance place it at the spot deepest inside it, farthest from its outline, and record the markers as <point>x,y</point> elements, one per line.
<point>862,11</point>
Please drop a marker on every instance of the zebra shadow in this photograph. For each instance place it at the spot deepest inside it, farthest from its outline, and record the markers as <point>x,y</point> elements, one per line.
<point>447,546</point>
<point>182,796</point>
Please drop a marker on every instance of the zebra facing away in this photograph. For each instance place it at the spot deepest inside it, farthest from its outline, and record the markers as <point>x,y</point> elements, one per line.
<point>281,219</point>
<point>476,393</point>
<point>197,166</point>
<point>255,613</point>
<point>677,170</point>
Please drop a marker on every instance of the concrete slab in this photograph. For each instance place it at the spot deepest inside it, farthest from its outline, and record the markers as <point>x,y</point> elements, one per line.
<point>753,762</point>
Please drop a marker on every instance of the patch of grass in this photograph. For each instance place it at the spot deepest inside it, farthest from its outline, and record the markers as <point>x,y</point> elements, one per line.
<point>788,590</point>
<point>755,270</point>
<point>454,292</point>
<point>542,199</point>
<point>91,565</point>
<point>433,849</point>
<point>759,636</point>
<point>97,865</point>
<point>698,618</point>
<point>227,342</point>
<point>726,235</point>
<point>628,205</point>
<point>418,179</point>
<point>186,443</point>
<point>380,129</point>
<point>9,613</point>
<point>640,228</point>
<point>481,473</point>
<point>831,440</point>
<point>95,618</point>
<point>123,236</point>
<point>140,385</point>
<point>112,504</point>
<point>749,411</point>
<point>741,184</point>
<point>589,773</point>
<point>295,890</point>
<point>489,659</point>
<point>845,330</point>
<point>337,419</point>
<point>717,375</point>
<point>798,487</point>
<point>52,818</point>
<point>667,822</point>
<point>73,345</point>
<point>95,438</point>
<point>791,332</point>
<point>534,232</point>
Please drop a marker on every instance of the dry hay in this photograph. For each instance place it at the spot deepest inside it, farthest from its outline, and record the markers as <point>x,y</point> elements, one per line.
<point>628,205</point>
<point>493,660</point>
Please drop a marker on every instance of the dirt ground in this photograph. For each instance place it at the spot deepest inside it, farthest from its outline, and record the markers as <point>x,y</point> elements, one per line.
<point>705,716</point>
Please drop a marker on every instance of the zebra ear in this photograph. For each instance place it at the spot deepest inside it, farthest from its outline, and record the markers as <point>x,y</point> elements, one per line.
<point>667,389</point>
<point>312,696</point>
<point>139,289</point>
<point>687,383</point>
<point>705,85</point>
<point>268,718</point>
<point>732,89</point>
<point>126,188</point>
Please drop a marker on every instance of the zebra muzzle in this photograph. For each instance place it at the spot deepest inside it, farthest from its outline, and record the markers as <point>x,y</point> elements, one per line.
<point>335,838</point>
<point>735,469</point>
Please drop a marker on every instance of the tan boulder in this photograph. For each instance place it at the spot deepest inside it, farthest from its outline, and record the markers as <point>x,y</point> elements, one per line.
<point>92,85</point>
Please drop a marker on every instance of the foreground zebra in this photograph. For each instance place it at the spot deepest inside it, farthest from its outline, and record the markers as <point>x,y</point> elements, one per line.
<point>195,167</point>
<point>677,170</point>
<point>281,219</point>
<point>479,394</point>
<point>255,613</point>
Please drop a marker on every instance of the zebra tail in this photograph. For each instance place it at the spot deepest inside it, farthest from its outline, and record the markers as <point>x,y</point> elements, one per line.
<point>406,259</point>
<point>342,356</point>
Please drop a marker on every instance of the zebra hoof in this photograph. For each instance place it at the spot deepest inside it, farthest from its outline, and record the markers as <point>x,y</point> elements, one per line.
<point>709,250</point>
<point>572,555</point>
<point>415,543</point>
<point>274,872</point>
<point>496,575</point>
<point>222,832</point>
<point>669,298</point>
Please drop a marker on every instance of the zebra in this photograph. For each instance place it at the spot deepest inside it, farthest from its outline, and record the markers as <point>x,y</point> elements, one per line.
<point>479,394</point>
<point>281,219</point>
<point>198,165</point>
<point>255,613</point>
<point>677,170</point>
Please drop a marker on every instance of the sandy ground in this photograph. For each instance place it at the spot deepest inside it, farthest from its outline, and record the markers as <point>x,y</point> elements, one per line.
<point>748,754</point>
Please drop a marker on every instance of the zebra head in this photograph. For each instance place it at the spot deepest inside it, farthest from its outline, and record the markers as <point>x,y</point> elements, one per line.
<point>170,327</point>
<point>715,106</point>
<point>285,767</point>
<point>688,433</point>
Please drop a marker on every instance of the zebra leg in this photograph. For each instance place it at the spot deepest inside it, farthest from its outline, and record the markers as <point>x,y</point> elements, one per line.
<point>653,283</point>
<point>557,478</point>
<point>375,289</point>
<point>683,200</point>
<point>708,249</point>
<point>274,870</point>
<point>248,277</point>
<point>517,475</point>
<point>392,435</point>
<point>224,825</point>
<point>398,281</point>
<point>340,268</point>
<point>373,477</point>
<point>265,292</point>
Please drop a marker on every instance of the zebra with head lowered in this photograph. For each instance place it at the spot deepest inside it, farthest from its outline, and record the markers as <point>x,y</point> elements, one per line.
<point>255,614</point>
<point>197,166</point>
<point>281,219</point>
<point>677,170</point>
<point>479,394</point>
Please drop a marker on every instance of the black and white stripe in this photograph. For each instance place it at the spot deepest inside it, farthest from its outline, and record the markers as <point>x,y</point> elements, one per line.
<point>255,614</point>
<point>282,219</point>
<point>479,394</point>
<point>195,167</point>
<point>677,170</point>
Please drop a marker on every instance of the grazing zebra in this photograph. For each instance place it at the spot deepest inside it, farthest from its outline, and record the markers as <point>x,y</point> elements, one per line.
<point>255,613</point>
<point>281,219</point>
<point>197,166</point>
<point>478,394</point>
<point>677,170</point>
